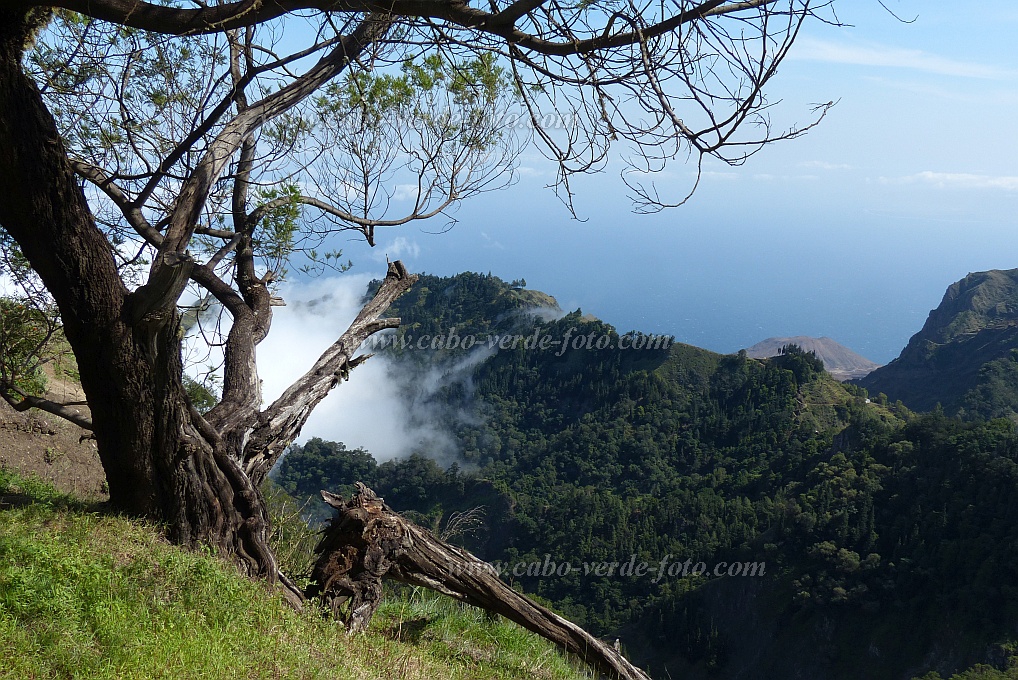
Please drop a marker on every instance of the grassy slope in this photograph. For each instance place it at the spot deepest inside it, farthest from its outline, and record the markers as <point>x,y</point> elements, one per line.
<point>89,595</point>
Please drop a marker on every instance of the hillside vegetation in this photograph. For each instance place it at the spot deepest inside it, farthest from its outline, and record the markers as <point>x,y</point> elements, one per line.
<point>888,538</point>
<point>878,542</point>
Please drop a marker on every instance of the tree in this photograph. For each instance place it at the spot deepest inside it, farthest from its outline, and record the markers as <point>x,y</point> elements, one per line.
<point>153,147</point>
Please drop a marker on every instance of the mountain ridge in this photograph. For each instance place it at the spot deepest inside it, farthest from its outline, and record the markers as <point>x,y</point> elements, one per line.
<point>965,357</point>
<point>694,434</point>
<point>594,456</point>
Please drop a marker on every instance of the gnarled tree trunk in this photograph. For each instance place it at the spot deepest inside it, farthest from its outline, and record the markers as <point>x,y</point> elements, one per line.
<point>162,459</point>
<point>197,475</point>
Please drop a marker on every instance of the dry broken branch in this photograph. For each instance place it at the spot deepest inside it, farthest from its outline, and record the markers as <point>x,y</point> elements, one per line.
<point>367,541</point>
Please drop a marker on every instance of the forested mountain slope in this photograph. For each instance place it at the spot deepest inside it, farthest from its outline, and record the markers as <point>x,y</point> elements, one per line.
<point>882,544</point>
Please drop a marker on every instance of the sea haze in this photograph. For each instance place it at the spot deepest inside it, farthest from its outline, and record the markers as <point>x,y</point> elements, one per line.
<point>716,275</point>
<point>852,231</point>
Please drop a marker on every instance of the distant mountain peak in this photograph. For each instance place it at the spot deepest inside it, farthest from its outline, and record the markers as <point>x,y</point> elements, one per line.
<point>964,358</point>
<point>840,361</point>
<point>980,300</point>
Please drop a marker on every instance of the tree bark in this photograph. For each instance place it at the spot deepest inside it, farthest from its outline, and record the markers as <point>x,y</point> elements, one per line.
<point>162,459</point>
<point>367,541</point>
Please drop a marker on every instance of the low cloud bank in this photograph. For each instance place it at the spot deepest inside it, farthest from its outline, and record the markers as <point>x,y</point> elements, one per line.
<point>382,407</point>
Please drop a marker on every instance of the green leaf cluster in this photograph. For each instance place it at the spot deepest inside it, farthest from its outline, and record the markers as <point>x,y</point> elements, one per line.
<point>24,334</point>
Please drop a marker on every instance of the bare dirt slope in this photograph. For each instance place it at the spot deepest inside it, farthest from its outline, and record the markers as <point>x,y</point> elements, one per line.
<point>840,361</point>
<point>51,448</point>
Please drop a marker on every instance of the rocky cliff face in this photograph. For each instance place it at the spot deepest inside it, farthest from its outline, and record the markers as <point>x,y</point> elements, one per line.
<point>980,301</point>
<point>962,358</point>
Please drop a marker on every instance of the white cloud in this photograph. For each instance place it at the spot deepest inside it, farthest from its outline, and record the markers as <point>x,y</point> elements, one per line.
<point>380,408</point>
<point>824,165</point>
<point>399,248</point>
<point>872,54</point>
<point>490,242</point>
<point>371,409</point>
<point>957,180</point>
<point>767,177</point>
<point>405,192</point>
<point>715,174</point>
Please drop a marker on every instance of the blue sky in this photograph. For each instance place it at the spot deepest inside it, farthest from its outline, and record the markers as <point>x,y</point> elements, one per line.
<point>853,231</point>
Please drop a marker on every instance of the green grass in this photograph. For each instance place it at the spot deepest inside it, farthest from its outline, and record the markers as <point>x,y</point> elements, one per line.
<point>85,594</point>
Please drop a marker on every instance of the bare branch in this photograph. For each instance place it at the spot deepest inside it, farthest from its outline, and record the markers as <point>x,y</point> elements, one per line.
<point>161,19</point>
<point>354,220</point>
<point>281,422</point>
<point>376,542</point>
<point>26,402</point>
<point>130,209</point>
<point>195,190</point>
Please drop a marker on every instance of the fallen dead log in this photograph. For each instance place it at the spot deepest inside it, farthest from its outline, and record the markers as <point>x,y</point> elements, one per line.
<point>367,541</point>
